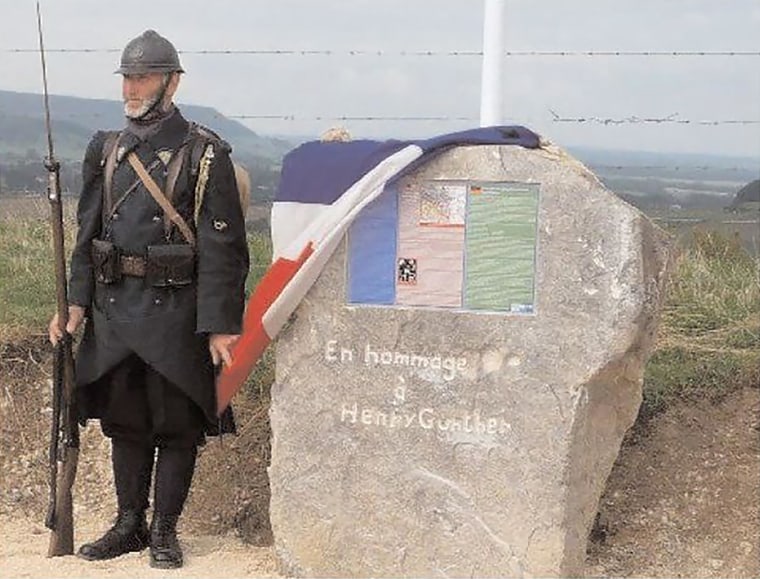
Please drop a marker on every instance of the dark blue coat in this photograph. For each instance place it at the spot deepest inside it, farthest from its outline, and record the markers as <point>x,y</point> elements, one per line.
<point>166,327</point>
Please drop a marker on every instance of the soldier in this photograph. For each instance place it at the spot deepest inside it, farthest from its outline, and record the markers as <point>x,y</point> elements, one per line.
<point>157,275</point>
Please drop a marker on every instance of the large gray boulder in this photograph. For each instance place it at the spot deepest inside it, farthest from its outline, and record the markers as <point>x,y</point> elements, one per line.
<point>411,441</point>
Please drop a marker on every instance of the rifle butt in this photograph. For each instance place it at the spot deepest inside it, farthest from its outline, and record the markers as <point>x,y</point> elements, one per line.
<point>62,536</point>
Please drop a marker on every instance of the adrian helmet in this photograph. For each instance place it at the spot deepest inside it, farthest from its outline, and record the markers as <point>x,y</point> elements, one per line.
<point>149,52</point>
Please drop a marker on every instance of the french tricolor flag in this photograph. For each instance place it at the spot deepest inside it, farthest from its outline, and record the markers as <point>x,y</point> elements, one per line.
<point>323,187</point>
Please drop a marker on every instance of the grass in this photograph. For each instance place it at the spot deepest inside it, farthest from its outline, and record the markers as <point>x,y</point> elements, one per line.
<point>27,278</point>
<point>260,251</point>
<point>716,285</point>
<point>691,374</point>
<point>708,344</point>
<point>27,281</point>
<point>709,340</point>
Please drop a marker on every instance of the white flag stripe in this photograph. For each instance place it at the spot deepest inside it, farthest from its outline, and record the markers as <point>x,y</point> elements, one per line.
<point>291,218</point>
<point>360,191</point>
<point>326,234</point>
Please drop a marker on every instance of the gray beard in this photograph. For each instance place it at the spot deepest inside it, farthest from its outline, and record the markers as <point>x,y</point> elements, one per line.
<point>147,105</point>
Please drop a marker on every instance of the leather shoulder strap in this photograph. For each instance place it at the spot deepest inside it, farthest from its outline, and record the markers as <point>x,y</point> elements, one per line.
<point>173,170</point>
<point>172,174</point>
<point>160,198</point>
<point>110,153</point>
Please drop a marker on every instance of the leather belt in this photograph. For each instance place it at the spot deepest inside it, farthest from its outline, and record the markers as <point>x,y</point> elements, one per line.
<point>132,265</point>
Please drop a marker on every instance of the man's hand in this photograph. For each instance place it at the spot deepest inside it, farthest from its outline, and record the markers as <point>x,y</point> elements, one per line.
<point>55,332</point>
<point>220,346</point>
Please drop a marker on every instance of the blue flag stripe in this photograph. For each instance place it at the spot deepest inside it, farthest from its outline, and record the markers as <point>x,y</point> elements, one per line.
<point>320,172</point>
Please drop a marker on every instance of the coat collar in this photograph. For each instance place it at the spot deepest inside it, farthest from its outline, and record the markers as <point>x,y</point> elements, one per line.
<point>169,135</point>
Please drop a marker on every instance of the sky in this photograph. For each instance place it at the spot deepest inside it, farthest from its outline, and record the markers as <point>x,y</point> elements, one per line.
<point>538,89</point>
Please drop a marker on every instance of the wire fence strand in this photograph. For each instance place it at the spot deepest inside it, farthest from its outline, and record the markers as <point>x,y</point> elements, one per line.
<point>408,53</point>
<point>673,118</point>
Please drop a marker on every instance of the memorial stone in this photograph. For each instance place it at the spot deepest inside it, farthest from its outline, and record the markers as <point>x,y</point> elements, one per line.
<point>452,393</point>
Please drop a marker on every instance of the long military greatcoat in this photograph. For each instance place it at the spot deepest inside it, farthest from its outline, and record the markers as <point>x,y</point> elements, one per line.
<point>168,328</point>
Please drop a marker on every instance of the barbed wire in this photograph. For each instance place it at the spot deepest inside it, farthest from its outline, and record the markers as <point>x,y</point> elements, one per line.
<point>673,118</point>
<point>633,119</point>
<point>411,53</point>
<point>362,118</point>
<point>674,168</point>
<point>284,117</point>
<point>628,120</point>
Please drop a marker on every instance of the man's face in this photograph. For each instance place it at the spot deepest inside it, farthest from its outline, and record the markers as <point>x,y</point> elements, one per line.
<point>140,92</point>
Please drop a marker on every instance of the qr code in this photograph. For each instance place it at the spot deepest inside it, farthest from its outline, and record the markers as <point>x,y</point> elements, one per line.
<point>407,271</point>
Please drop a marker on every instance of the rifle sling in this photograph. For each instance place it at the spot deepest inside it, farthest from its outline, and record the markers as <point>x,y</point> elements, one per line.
<point>160,198</point>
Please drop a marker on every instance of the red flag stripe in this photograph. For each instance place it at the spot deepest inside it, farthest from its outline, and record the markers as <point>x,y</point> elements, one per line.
<point>254,338</point>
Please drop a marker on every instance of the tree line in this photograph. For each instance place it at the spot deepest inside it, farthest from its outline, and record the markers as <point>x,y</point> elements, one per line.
<point>27,174</point>
<point>30,176</point>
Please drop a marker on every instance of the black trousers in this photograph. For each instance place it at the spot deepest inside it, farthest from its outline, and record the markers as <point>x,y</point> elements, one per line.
<point>142,406</point>
<point>149,420</point>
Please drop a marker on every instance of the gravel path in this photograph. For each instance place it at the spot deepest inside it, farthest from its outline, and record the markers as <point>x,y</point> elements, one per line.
<point>23,548</point>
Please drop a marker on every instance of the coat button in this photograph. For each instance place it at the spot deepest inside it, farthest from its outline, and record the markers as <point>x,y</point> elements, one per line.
<point>115,217</point>
<point>157,301</point>
<point>156,218</point>
<point>111,300</point>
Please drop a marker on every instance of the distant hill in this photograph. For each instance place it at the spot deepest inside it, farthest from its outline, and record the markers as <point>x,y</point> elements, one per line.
<point>653,180</point>
<point>646,179</point>
<point>663,160</point>
<point>750,193</point>
<point>74,120</point>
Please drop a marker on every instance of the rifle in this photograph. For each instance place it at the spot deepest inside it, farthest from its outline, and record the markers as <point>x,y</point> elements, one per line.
<point>64,432</point>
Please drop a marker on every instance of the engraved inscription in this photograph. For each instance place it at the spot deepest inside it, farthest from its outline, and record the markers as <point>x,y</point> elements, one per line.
<point>425,418</point>
<point>396,415</point>
<point>449,366</point>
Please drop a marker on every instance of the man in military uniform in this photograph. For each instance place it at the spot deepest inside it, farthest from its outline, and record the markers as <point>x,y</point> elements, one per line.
<point>161,290</point>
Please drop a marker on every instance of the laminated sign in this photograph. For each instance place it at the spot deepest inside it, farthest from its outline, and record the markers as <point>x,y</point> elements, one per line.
<point>467,245</point>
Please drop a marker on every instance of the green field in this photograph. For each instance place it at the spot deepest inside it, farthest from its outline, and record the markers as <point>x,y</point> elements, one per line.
<point>743,226</point>
<point>708,343</point>
<point>27,282</point>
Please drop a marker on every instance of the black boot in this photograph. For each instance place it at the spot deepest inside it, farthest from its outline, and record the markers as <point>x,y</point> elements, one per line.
<point>129,533</point>
<point>174,475</point>
<point>132,468</point>
<point>165,552</point>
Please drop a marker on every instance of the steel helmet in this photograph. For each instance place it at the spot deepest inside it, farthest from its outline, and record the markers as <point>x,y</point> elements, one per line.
<point>149,52</point>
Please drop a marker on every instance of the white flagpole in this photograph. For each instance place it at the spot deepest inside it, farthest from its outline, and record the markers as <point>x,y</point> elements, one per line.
<point>492,88</point>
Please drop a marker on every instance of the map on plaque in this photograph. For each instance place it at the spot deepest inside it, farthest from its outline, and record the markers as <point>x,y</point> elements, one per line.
<point>466,245</point>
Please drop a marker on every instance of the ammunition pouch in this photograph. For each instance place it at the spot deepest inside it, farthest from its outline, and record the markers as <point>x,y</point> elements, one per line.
<point>106,261</point>
<point>170,265</point>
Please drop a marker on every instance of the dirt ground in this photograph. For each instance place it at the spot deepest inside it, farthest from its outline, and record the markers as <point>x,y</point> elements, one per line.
<point>683,499</point>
